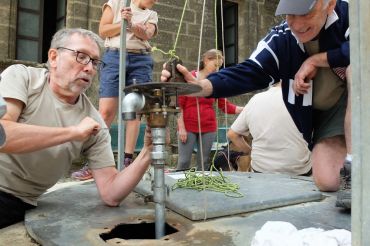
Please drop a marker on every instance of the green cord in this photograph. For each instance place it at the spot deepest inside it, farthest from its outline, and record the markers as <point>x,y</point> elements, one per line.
<point>194,180</point>
<point>199,182</point>
<point>172,53</point>
<point>180,25</point>
<point>217,110</point>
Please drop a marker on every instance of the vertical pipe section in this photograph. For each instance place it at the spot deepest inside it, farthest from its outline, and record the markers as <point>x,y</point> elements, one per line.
<point>360,66</point>
<point>122,83</point>
<point>159,155</point>
<point>159,199</point>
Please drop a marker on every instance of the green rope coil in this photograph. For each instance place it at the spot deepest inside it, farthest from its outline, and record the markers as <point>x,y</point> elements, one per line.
<point>170,53</point>
<point>199,182</point>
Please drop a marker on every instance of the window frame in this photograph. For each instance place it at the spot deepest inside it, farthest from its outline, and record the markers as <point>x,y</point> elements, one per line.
<point>39,39</point>
<point>234,7</point>
<point>48,24</point>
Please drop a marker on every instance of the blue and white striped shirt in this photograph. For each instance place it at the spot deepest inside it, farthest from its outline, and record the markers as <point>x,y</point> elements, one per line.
<point>278,57</point>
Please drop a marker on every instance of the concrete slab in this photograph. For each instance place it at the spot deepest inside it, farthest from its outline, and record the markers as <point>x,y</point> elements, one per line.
<point>76,216</point>
<point>261,191</point>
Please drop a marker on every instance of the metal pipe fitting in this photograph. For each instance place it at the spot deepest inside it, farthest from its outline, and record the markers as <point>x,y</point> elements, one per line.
<point>131,104</point>
<point>159,155</point>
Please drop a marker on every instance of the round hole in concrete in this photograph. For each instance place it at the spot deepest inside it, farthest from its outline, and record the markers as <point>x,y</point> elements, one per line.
<point>135,231</point>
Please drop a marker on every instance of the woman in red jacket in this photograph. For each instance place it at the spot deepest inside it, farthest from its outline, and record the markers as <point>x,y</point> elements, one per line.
<point>188,129</point>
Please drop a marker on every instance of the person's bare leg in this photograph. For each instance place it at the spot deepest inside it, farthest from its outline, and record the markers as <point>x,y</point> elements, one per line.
<point>108,108</point>
<point>327,160</point>
<point>347,119</point>
<point>132,132</point>
<point>344,194</point>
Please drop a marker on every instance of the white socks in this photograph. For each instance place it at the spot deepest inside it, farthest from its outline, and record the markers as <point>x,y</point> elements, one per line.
<point>349,157</point>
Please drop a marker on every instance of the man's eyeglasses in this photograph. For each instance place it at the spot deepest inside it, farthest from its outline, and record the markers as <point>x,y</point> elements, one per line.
<point>84,58</point>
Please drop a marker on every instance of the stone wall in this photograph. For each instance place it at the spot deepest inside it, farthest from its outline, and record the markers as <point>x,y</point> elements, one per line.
<point>84,13</point>
<point>169,13</point>
<point>256,17</point>
<point>8,17</point>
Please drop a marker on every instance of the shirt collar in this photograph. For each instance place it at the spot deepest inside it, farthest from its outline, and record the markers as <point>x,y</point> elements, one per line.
<point>333,17</point>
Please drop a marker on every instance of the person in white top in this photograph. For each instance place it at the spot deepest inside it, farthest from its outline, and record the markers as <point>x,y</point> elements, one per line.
<point>277,146</point>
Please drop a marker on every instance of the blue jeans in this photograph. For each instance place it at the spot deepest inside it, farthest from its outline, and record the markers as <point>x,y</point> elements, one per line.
<point>138,67</point>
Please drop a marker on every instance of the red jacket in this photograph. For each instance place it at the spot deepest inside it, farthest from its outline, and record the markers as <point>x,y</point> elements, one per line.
<point>207,113</point>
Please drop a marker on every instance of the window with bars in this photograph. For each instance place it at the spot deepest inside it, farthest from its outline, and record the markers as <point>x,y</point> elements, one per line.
<point>230,32</point>
<point>37,21</point>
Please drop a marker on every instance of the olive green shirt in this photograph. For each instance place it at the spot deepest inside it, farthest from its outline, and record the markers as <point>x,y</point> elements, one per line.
<point>29,175</point>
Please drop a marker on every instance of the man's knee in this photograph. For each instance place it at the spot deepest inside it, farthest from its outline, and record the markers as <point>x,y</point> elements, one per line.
<point>327,183</point>
<point>327,159</point>
<point>326,173</point>
<point>107,113</point>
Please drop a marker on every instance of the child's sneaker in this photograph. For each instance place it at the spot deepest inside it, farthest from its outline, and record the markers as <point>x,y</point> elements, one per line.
<point>127,162</point>
<point>83,174</point>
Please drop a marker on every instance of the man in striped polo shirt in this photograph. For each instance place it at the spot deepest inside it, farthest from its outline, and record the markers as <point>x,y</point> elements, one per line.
<point>309,53</point>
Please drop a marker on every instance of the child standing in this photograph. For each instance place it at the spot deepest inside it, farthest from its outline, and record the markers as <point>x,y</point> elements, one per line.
<point>188,130</point>
<point>141,27</point>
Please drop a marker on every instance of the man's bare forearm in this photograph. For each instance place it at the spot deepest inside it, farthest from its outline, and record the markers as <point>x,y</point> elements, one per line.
<point>238,141</point>
<point>319,60</point>
<point>144,32</point>
<point>241,144</point>
<point>23,138</point>
<point>114,186</point>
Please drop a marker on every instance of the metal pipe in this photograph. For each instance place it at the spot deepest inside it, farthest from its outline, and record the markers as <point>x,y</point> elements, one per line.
<point>159,199</point>
<point>132,103</point>
<point>159,155</point>
<point>360,101</point>
<point>122,83</point>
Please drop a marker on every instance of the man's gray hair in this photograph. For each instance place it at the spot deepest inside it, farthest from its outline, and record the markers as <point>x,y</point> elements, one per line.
<point>62,36</point>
